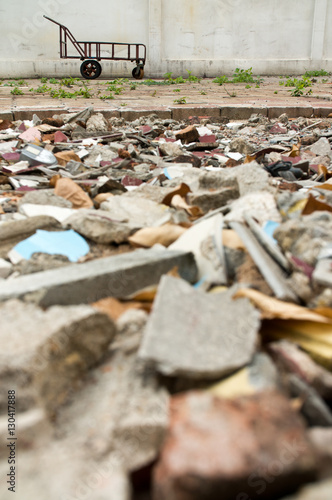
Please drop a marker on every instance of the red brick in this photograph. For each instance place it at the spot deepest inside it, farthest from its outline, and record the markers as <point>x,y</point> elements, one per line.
<point>227,449</point>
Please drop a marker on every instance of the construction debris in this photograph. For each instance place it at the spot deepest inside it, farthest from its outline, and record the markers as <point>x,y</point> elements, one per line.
<point>143,259</point>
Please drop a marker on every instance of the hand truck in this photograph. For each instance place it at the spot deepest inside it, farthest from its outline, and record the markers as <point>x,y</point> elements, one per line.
<point>91,53</point>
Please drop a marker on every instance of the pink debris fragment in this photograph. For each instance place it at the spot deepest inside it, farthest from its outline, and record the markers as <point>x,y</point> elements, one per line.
<point>131,181</point>
<point>207,138</point>
<point>30,135</point>
<point>11,157</point>
<point>60,137</point>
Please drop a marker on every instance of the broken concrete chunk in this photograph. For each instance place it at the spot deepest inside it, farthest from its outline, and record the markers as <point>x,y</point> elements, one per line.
<point>97,123</point>
<point>170,149</point>
<point>100,153</point>
<point>220,337</point>
<point>322,147</point>
<point>99,226</point>
<point>305,237</point>
<point>23,228</point>
<point>211,200</point>
<point>138,212</point>
<point>45,197</point>
<point>271,442</point>
<point>116,276</point>
<point>80,476</point>
<point>262,206</point>
<point>52,348</point>
<point>40,262</point>
<point>250,178</point>
<point>242,146</point>
<point>125,399</point>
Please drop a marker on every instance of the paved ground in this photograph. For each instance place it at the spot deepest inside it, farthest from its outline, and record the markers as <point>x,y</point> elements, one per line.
<point>234,101</point>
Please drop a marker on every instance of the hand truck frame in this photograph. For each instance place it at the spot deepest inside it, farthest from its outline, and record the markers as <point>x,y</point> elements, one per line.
<point>90,53</point>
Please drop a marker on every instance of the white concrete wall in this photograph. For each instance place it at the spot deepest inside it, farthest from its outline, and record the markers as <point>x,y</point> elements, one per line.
<point>207,37</point>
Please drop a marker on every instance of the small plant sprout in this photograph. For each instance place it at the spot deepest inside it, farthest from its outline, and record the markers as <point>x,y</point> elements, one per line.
<point>17,91</point>
<point>181,100</point>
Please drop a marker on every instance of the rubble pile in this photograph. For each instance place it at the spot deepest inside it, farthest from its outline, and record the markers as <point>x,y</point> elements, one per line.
<point>166,307</point>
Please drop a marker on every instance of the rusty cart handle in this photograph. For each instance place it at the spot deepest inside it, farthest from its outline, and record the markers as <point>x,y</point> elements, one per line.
<point>55,22</point>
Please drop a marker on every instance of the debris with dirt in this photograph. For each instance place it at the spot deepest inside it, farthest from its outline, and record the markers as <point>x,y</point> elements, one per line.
<point>206,271</point>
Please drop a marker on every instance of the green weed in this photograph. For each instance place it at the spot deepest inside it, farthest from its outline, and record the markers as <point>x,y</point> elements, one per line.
<point>221,80</point>
<point>181,100</point>
<point>242,76</point>
<point>192,78</point>
<point>10,84</point>
<point>150,82</point>
<point>84,92</point>
<point>43,89</point>
<point>300,85</point>
<point>69,82</point>
<point>320,72</point>
<point>105,97</point>
<point>17,91</point>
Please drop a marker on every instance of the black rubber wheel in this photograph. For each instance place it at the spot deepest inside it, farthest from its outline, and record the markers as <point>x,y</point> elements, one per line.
<point>138,73</point>
<point>90,69</point>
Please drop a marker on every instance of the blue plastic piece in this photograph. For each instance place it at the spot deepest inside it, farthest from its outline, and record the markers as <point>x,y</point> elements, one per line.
<point>269,227</point>
<point>166,173</point>
<point>68,243</point>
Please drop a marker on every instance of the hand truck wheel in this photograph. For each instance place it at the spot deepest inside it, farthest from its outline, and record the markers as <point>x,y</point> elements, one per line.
<point>138,72</point>
<point>90,69</point>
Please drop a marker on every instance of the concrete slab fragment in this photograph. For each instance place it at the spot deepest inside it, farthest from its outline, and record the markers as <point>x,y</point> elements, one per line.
<point>116,276</point>
<point>198,335</point>
<point>272,273</point>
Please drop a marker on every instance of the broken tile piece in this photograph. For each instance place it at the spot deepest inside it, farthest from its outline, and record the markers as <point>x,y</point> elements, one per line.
<point>31,135</point>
